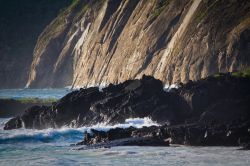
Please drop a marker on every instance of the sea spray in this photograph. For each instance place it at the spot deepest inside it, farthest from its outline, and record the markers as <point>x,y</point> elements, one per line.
<point>167,87</point>
<point>64,134</point>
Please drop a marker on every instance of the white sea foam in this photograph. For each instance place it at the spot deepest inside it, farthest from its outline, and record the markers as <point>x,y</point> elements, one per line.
<point>101,86</point>
<point>51,147</point>
<point>134,122</point>
<point>167,87</point>
<point>65,134</point>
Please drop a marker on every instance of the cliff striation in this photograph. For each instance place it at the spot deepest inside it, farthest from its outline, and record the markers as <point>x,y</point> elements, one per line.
<point>110,41</point>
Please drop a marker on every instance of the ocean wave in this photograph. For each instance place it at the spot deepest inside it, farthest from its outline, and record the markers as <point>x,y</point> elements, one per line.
<point>65,134</point>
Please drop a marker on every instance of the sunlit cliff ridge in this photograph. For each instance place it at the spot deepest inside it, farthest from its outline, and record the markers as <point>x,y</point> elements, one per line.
<point>100,42</point>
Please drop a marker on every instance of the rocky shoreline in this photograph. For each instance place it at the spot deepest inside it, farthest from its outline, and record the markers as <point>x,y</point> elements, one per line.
<point>197,134</point>
<point>210,112</point>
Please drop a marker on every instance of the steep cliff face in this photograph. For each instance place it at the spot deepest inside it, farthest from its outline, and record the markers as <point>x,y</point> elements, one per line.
<point>109,41</point>
<point>21,22</point>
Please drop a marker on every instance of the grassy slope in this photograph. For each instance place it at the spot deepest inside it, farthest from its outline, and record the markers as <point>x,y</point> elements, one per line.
<point>14,107</point>
<point>243,73</point>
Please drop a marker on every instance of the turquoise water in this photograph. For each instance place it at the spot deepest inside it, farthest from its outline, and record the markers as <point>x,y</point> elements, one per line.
<point>53,146</point>
<point>33,93</point>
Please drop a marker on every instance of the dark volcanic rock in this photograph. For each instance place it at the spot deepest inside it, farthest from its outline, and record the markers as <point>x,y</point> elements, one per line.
<point>195,134</point>
<point>215,93</point>
<point>116,103</point>
<point>212,111</point>
<point>14,123</point>
<point>205,134</point>
<point>146,136</point>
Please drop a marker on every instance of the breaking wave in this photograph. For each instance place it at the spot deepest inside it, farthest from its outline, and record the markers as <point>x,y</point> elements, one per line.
<point>65,134</point>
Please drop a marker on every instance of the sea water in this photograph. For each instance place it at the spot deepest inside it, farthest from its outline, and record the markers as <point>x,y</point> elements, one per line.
<point>53,146</point>
<point>33,93</point>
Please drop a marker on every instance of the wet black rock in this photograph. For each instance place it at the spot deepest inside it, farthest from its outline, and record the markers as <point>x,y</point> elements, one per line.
<point>116,103</point>
<point>194,134</point>
<point>225,95</point>
<point>14,123</point>
<point>212,111</point>
<point>146,136</point>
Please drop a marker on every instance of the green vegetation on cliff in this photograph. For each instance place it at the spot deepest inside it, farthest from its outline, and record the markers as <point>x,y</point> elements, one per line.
<point>209,6</point>
<point>59,24</point>
<point>30,100</point>
<point>245,73</point>
<point>159,8</point>
<point>13,107</point>
<point>37,100</point>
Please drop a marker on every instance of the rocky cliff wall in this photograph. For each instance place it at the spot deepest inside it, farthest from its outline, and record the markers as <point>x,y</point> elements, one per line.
<point>109,41</point>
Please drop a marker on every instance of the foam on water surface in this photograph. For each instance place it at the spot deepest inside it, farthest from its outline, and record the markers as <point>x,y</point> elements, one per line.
<point>52,147</point>
<point>65,134</point>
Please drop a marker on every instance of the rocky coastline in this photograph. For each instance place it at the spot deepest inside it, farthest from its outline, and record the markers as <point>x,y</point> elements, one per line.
<point>210,112</point>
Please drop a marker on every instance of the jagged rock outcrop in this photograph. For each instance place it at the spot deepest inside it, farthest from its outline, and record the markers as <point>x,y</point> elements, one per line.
<point>222,99</point>
<point>115,104</point>
<point>110,41</point>
<point>209,112</point>
<point>21,22</point>
<point>196,134</point>
<point>147,136</point>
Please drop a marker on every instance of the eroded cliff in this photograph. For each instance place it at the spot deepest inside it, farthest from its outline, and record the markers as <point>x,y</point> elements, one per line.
<point>110,41</point>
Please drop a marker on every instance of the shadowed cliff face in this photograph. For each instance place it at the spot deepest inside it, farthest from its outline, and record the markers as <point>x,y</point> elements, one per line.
<point>109,41</point>
<point>21,22</point>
